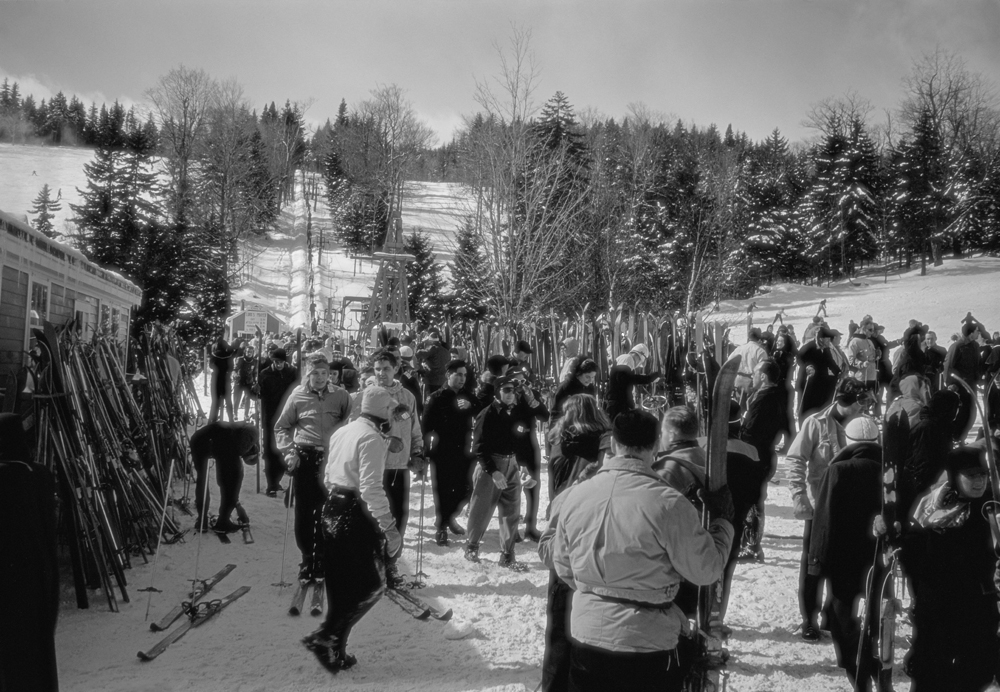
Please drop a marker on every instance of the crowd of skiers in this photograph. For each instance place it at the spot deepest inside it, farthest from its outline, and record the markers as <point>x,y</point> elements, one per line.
<point>353,430</point>
<point>626,540</point>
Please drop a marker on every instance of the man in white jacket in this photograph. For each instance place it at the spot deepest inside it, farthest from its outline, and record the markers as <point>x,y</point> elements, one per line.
<point>624,541</point>
<point>358,526</point>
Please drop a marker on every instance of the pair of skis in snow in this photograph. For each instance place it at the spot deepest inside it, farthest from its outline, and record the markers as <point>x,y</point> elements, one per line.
<point>299,599</point>
<point>416,607</point>
<point>198,612</point>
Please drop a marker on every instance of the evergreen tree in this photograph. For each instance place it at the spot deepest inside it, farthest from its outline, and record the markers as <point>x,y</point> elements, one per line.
<point>469,275</point>
<point>920,195</point>
<point>425,285</point>
<point>45,208</point>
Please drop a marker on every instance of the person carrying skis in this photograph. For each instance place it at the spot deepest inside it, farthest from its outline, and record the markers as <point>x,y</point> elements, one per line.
<point>231,445</point>
<point>273,384</point>
<point>313,412</point>
<point>498,478</point>
<point>624,541</point>
<point>447,425</point>
<point>842,543</point>
<point>359,530</point>
<point>820,439</point>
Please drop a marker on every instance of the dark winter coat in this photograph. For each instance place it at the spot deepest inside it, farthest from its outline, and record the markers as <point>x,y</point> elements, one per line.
<point>913,360</point>
<point>930,441</point>
<point>274,386</point>
<point>449,415</point>
<point>566,390</point>
<point>434,362</point>
<point>765,420</point>
<point>504,430</point>
<point>816,390</point>
<point>841,545</point>
<point>964,360</point>
<point>621,381</point>
<point>571,454</point>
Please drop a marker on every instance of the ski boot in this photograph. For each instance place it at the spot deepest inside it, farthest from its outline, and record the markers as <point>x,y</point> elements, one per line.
<point>508,561</point>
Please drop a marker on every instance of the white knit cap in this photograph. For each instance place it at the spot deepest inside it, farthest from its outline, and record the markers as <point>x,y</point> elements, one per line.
<point>862,429</point>
<point>376,401</point>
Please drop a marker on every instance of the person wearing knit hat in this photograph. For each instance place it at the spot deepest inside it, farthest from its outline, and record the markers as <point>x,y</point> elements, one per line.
<point>842,544</point>
<point>359,535</point>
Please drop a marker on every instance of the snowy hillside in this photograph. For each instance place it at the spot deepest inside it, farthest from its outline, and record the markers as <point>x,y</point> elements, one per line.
<point>279,275</point>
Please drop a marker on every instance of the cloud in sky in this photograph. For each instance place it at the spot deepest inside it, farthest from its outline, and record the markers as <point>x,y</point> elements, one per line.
<point>757,64</point>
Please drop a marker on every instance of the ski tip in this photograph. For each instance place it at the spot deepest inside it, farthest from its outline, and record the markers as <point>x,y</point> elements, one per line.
<point>445,616</point>
<point>143,656</point>
<point>422,615</point>
<point>154,627</point>
<point>293,611</point>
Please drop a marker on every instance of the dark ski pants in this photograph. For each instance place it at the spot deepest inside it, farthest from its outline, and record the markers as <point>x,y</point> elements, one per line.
<point>396,483</point>
<point>353,564</point>
<point>486,497</point>
<point>744,479</point>
<point>555,664</point>
<point>229,476</point>
<point>846,631</point>
<point>599,670</point>
<point>955,645</point>
<point>529,462</point>
<point>309,498</point>
<point>450,476</point>
<point>810,585</point>
<point>220,396</point>
<point>274,465</point>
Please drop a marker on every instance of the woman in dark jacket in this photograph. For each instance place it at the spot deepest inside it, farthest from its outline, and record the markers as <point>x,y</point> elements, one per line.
<point>580,382</point>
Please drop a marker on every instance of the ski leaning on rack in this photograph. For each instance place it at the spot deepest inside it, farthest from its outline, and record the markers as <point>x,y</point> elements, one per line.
<point>705,675</point>
<point>201,588</point>
<point>420,604</point>
<point>198,614</point>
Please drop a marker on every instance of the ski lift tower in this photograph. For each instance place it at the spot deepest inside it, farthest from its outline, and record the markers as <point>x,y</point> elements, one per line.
<point>389,301</point>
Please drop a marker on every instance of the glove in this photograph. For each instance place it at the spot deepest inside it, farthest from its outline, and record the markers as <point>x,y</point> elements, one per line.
<point>393,541</point>
<point>527,482</point>
<point>291,463</point>
<point>499,480</point>
<point>418,465</point>
<point>720,504</point>
<point>801,507</point>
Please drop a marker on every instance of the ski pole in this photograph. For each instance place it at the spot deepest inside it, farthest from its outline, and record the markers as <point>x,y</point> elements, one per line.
<point>159,540</point>
<point>284,544</point>
<point>417,582</point>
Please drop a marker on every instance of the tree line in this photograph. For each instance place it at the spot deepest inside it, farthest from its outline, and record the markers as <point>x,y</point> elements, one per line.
<point>564,209</point>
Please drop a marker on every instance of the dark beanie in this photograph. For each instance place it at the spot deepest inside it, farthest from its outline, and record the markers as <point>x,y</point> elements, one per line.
<point>963,458</point>
<point>969,328</point>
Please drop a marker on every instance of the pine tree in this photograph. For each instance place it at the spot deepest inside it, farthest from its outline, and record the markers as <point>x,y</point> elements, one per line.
<point>469,276</point>
<point>425,284</point>
<point>920,196</point>
<point>44,208</point>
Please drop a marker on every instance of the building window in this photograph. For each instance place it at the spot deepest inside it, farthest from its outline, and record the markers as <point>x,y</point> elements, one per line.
<point>39,304</point>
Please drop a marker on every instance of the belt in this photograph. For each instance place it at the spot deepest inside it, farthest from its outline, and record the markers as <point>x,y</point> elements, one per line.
<point>343,490</point>
<point>638,604</point>
<point>308,448</point>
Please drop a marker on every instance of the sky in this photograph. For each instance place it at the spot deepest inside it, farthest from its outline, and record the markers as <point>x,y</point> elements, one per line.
<point>755,64</point>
